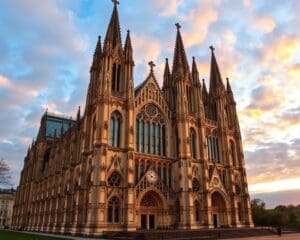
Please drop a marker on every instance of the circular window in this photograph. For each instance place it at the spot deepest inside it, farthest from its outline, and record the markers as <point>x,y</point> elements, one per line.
<point>114,180</point>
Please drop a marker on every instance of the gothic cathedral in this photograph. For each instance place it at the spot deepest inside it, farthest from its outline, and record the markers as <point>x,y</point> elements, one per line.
<point>140,157</point>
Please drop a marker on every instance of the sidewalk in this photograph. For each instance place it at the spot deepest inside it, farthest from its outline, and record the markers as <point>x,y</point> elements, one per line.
<point>58,236</point>
<point>290,236</point>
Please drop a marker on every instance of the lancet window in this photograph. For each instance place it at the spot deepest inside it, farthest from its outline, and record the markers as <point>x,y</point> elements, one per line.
<point>150,131</point>
<point>113,210</point>
<point>233,154</point>
<point>115,77</point>
<point>193,144</point>
<point>115,128</point>
<point>197,211</point>
<point>213,148</point>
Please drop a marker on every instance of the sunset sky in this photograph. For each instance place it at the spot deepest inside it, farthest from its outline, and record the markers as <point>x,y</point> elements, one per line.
<point>46,49</point>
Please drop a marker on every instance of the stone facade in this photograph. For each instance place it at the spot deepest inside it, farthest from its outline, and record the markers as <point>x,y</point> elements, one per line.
<point>7,200</point>
<point>141,157</point>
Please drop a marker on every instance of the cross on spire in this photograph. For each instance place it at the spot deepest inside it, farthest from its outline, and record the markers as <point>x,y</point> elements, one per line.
<point>115,2</point>
<point>152,65</point>
<point>178,26</point>
<point>212,48</point>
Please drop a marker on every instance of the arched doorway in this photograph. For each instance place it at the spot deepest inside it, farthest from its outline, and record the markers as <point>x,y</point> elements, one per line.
<point>219,211</point>
<point>151,212</point>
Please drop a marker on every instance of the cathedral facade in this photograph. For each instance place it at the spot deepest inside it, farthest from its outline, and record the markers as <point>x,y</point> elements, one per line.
<point>140,157</point>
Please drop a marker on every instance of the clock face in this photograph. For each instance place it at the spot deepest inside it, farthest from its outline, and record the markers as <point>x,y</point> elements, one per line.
<point>151,176</point>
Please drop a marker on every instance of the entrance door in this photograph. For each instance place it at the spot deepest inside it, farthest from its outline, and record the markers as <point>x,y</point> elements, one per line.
<point>215,218</point>
<point>143,221</point>
<point>151,221</point>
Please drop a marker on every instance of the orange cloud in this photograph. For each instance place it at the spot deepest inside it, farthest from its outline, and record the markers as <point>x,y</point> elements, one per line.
<point>264,24</point>
<point>280,52</point>
<point>167,8</point>
<point>5,83</point>
<point>200,18</point>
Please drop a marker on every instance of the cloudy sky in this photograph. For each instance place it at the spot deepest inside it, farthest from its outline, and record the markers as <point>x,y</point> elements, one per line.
<point>46,49</point>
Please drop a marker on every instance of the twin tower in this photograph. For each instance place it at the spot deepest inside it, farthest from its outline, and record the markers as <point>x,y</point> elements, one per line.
<point>138,158</point>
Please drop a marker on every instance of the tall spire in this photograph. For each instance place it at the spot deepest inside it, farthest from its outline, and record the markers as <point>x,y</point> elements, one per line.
<point>204,91</point>
<point>166,74</point>
<point>180,63</point>
<point>195,73</point>
<point>97,54</point>
<point>215,76</point>
<point>113,34</point>
<point>128,48</point>
<point>229,90</point>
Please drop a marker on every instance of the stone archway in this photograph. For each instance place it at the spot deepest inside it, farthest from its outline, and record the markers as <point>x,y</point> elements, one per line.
<point>219,210</point>
<point>152,214</point>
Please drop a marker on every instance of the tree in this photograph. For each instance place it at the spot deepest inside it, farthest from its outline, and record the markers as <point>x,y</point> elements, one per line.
<point>5,177</point>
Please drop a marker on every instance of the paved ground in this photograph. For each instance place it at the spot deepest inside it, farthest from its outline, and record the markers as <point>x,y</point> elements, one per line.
<point>290,236</point>
<point>59,236</point>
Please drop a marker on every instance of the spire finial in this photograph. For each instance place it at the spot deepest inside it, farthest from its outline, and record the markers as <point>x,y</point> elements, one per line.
<point>212,48</point>
<point>152,65</point>
<point>116,2</point>
<point>178,26</point>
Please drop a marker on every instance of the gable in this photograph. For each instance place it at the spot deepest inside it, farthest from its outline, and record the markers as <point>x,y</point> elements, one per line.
<point>149,92</point>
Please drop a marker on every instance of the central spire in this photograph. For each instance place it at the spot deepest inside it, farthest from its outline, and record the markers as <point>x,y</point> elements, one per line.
<point>180,63</point>
<point>113,34</point>
<point>215,75</point>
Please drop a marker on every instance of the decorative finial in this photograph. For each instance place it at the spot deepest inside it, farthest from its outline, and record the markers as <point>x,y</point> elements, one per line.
<point>152,65</point>
<point>178,26</point>
<point>116,2</point>
<point>212,48</point>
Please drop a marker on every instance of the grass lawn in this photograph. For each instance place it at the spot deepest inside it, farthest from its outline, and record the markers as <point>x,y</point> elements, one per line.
<point>7,235</point>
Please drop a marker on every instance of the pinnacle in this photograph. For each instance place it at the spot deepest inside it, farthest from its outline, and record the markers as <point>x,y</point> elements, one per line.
<point>215,75</point>
<point>113,34</point>
<point>180,63</point>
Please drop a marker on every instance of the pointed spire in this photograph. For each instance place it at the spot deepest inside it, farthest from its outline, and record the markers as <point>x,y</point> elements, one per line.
<point>32,144</point>
<point>167,68</point>
<point>97,53</point>
<point>204,90</point>
<point>98,49</point>
<point>215,76</point>
<point>78,114</point>
<point>28,150</point>
<point>229,90</point>
<point>113,34</point>
<point>180,63</point>
<point>128,48</point>
<point>166,74</point>
<point>195,73</point>
<point>228,87</point>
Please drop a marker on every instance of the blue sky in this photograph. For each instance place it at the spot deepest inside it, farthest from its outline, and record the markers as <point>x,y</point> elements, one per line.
<point>47,46</point>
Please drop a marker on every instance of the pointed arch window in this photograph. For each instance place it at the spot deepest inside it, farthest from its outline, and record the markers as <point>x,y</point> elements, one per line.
<point>193,144</point>
<point>113,210</point>
<point>114,131</point>
<point>213,149</point>
<point>233,154</point>
<point>151,134</point>
<point>115,77</point>
<point>197,211</point>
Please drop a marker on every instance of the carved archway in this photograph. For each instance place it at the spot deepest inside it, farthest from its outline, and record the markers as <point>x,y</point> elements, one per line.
<point>152,213</point>
<point>219,210</point>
